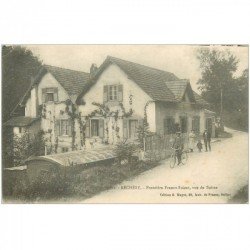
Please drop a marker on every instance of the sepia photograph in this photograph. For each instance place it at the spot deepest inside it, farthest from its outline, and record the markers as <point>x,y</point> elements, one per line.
<point>162,124</point>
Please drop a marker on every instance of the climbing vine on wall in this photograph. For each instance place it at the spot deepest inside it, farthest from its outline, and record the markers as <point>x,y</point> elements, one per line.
<point>110,115</point>
<point>71,110</point>
<point>143,131</point>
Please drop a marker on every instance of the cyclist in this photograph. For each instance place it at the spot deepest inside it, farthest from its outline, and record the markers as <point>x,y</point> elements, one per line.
<point>178,147</point>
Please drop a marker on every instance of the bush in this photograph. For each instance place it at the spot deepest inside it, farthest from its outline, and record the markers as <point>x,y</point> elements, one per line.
<point>124,151</point>
<point>26,145</point>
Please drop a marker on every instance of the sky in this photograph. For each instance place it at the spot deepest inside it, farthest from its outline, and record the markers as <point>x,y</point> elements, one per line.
<point>178,59</point>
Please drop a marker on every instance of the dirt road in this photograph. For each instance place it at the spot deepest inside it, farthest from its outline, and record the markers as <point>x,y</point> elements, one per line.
<point>208,177</point>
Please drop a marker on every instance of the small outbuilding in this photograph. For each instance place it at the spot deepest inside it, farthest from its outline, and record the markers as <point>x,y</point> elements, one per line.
<point>67,163</point>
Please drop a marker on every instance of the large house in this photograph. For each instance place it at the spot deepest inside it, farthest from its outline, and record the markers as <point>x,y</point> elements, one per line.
<point>79,110</point>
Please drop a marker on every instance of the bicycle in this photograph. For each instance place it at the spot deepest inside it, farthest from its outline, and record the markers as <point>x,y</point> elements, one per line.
<point>173,158</point>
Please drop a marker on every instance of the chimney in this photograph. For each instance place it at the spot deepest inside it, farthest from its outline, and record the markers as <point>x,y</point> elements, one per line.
<point>93,70</point>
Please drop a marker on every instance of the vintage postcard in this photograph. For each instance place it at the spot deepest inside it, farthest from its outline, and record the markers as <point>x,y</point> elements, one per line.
<point>125,124</point>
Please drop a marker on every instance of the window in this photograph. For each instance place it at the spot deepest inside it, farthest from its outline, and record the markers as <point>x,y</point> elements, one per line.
<point>64,127</point>
<point>20,130</point>
<point>64,150</point>
<point>112,93</point>
<point>169,126</point>
<point>49,95</point>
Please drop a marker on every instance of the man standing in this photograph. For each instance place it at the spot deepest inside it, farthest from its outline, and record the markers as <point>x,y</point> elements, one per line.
<point>207,139</point>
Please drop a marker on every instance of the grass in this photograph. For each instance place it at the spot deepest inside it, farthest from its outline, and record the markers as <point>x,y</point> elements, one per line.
<point>81,186</point>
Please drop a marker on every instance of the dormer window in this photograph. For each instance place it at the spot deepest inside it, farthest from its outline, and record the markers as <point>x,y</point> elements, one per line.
<point>49,95</point>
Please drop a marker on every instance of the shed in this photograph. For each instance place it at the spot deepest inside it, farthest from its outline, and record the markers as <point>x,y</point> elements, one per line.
<point>70,162</point>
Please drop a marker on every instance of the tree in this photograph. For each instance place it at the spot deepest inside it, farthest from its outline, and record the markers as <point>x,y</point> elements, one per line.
<point>242,84</point>
<point>18,66</point>
<point>220,87</point>
<point>217,82</point>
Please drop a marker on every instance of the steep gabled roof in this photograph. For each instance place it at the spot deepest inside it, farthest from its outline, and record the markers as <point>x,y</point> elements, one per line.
<point>150,80</point>
<point>71,80</point>
<point>180,87</point>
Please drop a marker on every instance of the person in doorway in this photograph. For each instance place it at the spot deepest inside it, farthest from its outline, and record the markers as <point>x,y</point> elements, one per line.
<point>178,147</point>
<point>191,140</point>
<point>207,139</point>
<point>199,145</point>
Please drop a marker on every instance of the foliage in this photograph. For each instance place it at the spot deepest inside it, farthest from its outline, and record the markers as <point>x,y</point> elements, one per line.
<point>242,84</point>
<point>142,132</point>
<point>241,197</point>
<point>80,186</point>
<point>219,85</point>
<point>71,110</point>
<point>26,145</point>
<point>217,73</point>
<point>125,150</point>
<point>110,115</point>
<point>18,66</point>
<point>7,149</point>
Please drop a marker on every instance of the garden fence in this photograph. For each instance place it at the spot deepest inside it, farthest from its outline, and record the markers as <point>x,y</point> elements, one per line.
<point>160,146</point>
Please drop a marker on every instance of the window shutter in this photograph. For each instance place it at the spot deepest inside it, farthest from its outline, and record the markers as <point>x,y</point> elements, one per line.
<point>105,93</point>
<point>57,127</point>
<point>120,93</point>
<point>87,130</point>
<point>69,127</point>
<point>55,94</point>
<point>101,128</point>
<point>125,128</point>
<point>44,95</point>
